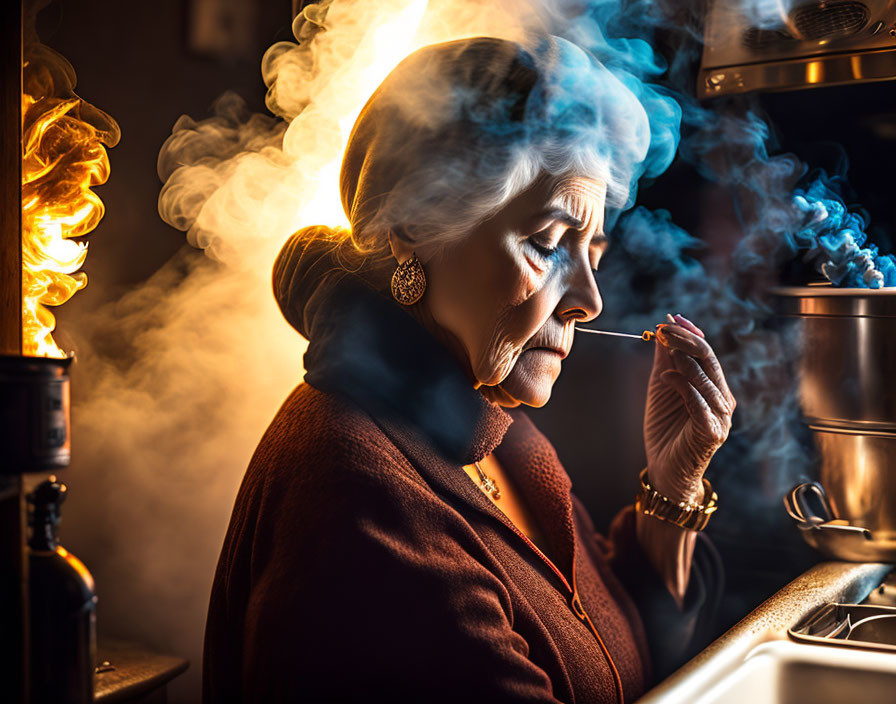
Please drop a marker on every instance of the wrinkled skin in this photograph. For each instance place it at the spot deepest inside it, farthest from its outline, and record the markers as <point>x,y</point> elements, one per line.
<point>688,413</point>
<point>505,299</point>
<point>507,296</point>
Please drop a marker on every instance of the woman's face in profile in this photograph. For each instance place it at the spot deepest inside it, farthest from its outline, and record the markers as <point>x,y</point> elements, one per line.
<point>512,291</point>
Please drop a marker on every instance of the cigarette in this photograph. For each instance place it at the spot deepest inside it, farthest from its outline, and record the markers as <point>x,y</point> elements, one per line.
<point>647,335</point>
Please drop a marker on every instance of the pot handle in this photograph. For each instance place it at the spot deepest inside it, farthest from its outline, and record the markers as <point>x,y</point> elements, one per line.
<point>799,509</point>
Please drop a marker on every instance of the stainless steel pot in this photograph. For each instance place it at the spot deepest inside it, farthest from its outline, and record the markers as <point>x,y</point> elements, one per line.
<point>847,390</point>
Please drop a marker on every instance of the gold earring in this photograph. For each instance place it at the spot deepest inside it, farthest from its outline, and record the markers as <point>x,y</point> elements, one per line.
<point>409,282</point>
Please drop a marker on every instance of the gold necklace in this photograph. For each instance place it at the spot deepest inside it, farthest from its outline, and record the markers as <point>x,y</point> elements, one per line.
<point>488,485</point>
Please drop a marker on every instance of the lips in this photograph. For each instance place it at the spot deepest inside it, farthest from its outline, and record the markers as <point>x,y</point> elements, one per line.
<point>558,341</point>
<point>556,350</point>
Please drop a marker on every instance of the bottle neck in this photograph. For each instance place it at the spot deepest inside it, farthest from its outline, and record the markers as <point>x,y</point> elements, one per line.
<point>45,501</point>
<point>44,535</point>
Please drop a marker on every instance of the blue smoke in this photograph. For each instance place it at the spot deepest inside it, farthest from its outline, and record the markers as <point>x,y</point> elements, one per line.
<point>622,42</point>
<point>729,148</point>
<point>780,212</point>
<point>833,237</point>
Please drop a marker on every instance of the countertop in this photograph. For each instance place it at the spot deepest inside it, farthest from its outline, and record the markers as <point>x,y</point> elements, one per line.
<point>137,671</point>
<point>843,582</point>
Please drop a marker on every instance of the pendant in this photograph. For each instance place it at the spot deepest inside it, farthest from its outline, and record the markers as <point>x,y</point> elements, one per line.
<point>487,484</point>
<point>491,488</point>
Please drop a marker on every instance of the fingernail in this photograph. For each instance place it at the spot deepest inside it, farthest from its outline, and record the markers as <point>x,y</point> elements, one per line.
<point>688,325</point>
<point>670,318</point>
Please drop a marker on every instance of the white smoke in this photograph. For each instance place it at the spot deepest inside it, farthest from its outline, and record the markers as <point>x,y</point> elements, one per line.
<point>176,382</point>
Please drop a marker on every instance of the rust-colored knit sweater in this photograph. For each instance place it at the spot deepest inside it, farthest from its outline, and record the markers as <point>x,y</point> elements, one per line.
<point>363,564</point>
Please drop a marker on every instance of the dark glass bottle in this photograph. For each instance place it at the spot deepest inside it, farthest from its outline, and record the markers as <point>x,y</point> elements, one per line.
<point>62,608</point>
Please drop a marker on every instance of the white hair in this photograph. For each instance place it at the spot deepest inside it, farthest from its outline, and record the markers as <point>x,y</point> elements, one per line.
<point>457,198</point>
<point>459,130</point>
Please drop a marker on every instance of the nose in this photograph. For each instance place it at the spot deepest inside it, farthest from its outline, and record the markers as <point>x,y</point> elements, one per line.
<point>582,300</point>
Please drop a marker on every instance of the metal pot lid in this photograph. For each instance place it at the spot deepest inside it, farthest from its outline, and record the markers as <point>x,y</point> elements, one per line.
<point>808,301</point>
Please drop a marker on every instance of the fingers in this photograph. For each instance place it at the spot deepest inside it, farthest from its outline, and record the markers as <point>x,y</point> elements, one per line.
<point>714,371</point>
<point>698,378</point>
<point>697,407</point>
<point>678,337</point>
<point>662,359</point>
<point>714,428</point>
<point>687,324</point>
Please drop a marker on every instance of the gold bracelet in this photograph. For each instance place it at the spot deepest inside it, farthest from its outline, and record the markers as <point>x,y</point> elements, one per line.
<point>690,516</point>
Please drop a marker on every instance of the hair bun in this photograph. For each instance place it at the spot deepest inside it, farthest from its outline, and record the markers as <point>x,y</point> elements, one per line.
<point>307,259</point>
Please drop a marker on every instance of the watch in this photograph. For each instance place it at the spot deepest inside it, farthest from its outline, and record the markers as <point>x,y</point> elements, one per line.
<point>691,516</point>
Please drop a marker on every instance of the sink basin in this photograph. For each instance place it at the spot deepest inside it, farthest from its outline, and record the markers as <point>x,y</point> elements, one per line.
<point>757,662</point>
<point>792,673</point>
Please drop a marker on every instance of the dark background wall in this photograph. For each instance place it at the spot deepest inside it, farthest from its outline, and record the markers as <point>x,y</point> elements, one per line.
<point>146,64</point>
<point>136,62</point>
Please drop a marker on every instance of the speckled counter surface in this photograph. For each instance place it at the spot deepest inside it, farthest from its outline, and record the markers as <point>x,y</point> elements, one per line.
<point>135,672</point>
<point>844,582</point>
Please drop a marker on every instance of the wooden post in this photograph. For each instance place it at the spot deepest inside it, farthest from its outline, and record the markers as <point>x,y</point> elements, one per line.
<point>11,179</point>
<point>13,563</point>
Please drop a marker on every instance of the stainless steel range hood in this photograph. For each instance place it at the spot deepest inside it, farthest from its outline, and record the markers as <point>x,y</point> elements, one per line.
<point>773,45</point>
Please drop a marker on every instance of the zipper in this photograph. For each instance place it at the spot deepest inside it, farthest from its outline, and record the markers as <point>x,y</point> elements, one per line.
<point>575,603</point>
<point>547,560</point>
<point>579,610</point>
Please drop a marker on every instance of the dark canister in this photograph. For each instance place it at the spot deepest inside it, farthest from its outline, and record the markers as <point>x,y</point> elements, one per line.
<point>35,420</point>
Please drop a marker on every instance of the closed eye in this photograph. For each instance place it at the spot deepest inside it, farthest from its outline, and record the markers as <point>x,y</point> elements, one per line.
<point>544,250</point>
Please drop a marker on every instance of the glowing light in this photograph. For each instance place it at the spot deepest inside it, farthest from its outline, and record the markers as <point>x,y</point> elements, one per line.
<point>379,51</point>
<point>814,72</point>
<point>62,158</point>
<point>386,45</point>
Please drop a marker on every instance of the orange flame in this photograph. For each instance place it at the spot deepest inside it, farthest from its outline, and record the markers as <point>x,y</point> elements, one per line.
<point>63,157</point>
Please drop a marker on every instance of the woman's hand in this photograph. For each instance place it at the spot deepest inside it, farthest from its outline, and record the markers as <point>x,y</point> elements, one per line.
<point>688,414</point>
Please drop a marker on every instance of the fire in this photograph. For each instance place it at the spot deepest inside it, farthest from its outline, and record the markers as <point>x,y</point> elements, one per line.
<point>62,158</point>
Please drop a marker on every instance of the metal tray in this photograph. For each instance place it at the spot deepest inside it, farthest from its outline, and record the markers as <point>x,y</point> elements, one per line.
<point>850,626</point>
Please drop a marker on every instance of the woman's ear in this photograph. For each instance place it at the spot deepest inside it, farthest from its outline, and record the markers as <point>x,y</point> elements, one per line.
<point>401,245</point>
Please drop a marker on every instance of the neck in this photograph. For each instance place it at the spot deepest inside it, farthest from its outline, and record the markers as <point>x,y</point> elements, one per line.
<point>421,312</point>
<point>363,345</point>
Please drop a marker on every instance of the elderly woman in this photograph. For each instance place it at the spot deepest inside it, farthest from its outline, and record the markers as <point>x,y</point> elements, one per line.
<point>403,532</point>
